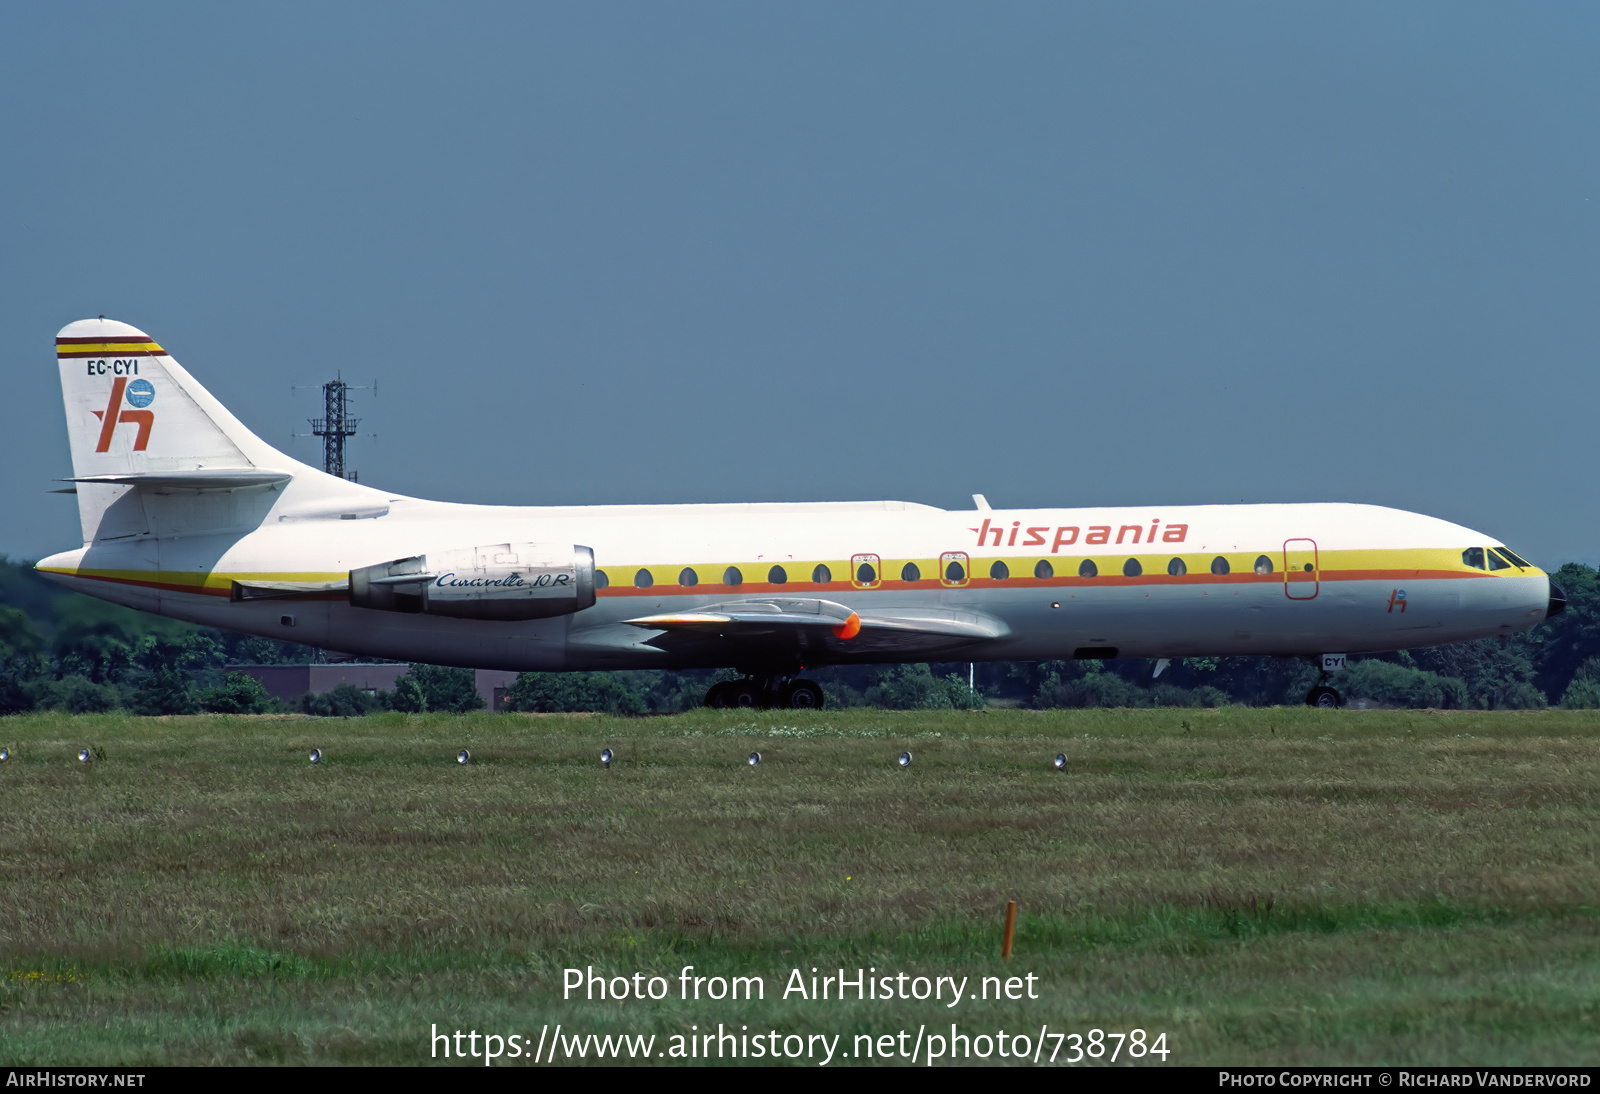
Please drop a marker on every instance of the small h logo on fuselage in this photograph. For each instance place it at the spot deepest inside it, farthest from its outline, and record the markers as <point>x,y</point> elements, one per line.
<point>1397,596</point>
<point>141,394</point>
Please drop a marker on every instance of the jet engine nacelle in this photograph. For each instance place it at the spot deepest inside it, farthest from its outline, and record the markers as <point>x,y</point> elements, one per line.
<point>501,581</point>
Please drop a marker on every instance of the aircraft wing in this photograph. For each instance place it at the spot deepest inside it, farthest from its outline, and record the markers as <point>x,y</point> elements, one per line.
<point>810,626</point>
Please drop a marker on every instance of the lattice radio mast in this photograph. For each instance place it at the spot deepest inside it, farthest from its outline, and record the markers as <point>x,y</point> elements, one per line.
<point>334,426</point>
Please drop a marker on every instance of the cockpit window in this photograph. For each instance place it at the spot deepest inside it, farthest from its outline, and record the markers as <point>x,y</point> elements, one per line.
<point>1516,559</point>
<point>1473,556</point>
<point>1496,562</point>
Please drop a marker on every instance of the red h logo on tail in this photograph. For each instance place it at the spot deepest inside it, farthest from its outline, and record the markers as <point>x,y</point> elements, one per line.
<point>110,419</point>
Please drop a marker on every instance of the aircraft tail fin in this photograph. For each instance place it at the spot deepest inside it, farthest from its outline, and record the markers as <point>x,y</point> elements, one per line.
<point>141,429</point>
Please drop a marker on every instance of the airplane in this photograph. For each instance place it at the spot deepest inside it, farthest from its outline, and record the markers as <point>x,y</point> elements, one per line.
<point>187,513</point>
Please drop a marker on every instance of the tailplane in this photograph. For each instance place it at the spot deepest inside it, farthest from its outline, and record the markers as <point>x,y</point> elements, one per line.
<point>154,453</point>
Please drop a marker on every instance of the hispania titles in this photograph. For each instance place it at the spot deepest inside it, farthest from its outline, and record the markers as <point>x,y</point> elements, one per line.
<point>991,534</point>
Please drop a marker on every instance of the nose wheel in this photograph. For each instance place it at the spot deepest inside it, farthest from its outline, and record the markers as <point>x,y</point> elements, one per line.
<point>1325,697</point>
<point>762,693</point>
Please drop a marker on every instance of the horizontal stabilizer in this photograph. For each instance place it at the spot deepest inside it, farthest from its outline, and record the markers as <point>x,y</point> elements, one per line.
<point>203,478</point>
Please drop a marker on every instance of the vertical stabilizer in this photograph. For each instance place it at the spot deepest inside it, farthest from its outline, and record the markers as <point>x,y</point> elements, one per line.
<point>142,428</point>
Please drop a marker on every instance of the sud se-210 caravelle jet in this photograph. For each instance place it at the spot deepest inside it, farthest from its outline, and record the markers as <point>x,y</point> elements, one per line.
<point>187,513</point>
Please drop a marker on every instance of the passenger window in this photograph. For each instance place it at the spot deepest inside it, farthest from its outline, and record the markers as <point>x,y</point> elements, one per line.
<point>1043,570</point>
<point>1176,568</point>
<point>1263,564</point>
<point>688,578</point>
<point>1088,569</point>
<point>955,573</point>
<point>999,571</point>
<point>910,572</point>
<point>1473,556</point>
<point>1131,568</point>
<point>1219,566</point>
<point>643,579</point>
<point>732,576</point>
<point>777,576</point>
<point>866,574</point>
<point>1496,562</point>
<point>601,580</point>
<point>821,575</point>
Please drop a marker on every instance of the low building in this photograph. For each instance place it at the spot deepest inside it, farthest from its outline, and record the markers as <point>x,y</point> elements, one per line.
<point>289,682</point>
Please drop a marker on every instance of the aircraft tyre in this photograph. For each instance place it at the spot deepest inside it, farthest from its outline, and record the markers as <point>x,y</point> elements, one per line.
<point>717,695</point>
<point>744,694</point>
<point>1324,697</point>
<point>803,695</point>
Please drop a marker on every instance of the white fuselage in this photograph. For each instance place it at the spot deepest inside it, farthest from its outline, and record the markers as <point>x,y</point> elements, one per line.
<point>1381,579</point>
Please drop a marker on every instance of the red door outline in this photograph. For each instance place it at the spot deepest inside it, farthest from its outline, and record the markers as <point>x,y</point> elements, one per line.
<point>1301,573</point>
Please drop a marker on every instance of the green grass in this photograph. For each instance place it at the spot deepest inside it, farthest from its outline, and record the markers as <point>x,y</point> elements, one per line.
<point>1264,886</point>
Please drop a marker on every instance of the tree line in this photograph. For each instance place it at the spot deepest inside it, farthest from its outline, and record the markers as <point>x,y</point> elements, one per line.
<point>61,650</point>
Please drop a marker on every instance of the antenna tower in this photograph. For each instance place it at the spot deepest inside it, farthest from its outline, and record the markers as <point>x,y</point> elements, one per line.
<point>333,427</point>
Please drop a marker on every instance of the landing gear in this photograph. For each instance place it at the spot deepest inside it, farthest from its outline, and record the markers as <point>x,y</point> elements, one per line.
<point>1324,697</point>
<point>760,693</point>
<point>802,695</point>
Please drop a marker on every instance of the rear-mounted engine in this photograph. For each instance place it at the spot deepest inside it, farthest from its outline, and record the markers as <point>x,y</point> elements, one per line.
<point>502,581</point>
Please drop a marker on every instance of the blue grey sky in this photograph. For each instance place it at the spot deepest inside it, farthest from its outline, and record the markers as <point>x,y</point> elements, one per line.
<point>1060,254</point>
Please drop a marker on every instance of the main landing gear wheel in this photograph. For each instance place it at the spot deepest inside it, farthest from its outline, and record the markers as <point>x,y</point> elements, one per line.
<point>803,695</point>
<point>1324,697</point>
<point>751,693</point>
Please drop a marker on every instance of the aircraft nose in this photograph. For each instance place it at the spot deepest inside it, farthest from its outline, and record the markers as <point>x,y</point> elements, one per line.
<point>1558,601</point>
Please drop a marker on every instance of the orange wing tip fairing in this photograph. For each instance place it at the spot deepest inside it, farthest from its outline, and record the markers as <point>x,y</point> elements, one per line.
<point>849,628</point>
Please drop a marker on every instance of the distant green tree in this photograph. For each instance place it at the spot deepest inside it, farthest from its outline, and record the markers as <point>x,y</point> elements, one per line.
<point>407,696</point>
<point>558,692</point>
<point>1401,686</point>
<point>239,694</point>
<point>18,636</point>
<point>78,695</point>
<point>165,691</point>
<point>910,687</point>
<point>446,689</point>
<point>1583,693</point>
<point>344,701</point>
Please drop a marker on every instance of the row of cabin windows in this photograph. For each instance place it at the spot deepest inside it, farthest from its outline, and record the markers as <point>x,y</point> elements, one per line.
<point>1495,558</point>
<point>954,572</point>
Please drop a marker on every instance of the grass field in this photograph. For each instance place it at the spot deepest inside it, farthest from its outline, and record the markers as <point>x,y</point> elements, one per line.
<point>1262,886</point>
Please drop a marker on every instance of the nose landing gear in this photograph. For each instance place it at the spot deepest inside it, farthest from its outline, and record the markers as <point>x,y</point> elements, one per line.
<point>765,692</point>
<point>1325,697</point>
